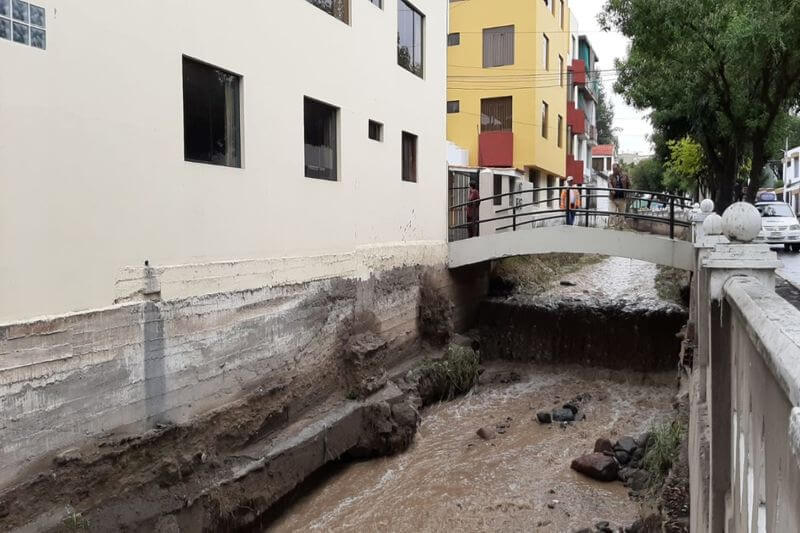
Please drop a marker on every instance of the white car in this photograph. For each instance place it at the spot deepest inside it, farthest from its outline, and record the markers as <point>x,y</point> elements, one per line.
<point>779,225</point>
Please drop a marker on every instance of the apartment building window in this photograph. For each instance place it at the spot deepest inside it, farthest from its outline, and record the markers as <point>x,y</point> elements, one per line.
<point>545,114</point>
<point>453,106</point>
<point>375,130</point>
<point>321,143</point>
<point>560,70</point>
<point>211,132</point>
<point>497,189</point>
<point>547,3</point>
<point>546,52</point>
<point>409,157</point>
<point>560,130</point>
<point>410,42</point>
<point>336,8</point>
<point>496,114</point>
<point>598,164</point>
<point>561,15</point>
<point>498,46</point>
<point>379,3</point>
<point>453,39</point>
<point>553,7</point>
<point>23,23</point>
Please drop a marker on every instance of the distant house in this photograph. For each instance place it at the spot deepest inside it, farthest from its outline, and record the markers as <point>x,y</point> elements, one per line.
<point>633,158</point>
<point>604,157</point>
<point>791,178</point>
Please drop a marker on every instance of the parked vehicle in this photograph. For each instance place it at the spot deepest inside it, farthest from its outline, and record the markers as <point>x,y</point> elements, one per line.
<point>766,196</point>
<point>779,225</point>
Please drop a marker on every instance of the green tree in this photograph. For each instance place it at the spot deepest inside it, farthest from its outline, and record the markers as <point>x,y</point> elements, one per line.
<point>648,175</point>
<point>606,133</point>
<point>687,169</point>
<point>728,68</point>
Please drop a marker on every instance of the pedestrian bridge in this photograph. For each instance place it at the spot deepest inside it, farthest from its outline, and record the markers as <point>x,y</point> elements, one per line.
<point>647,228</point>
<point>573,239</point>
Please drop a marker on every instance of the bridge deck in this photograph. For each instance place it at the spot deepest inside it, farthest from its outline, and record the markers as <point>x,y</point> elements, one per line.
<point>573,239</point>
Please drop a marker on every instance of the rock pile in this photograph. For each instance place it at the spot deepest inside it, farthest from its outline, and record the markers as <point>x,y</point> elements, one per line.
<point>621,461</point>
<point>569,412</point>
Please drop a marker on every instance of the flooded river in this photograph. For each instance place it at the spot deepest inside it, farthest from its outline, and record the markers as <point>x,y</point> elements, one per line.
<point>451,480</point>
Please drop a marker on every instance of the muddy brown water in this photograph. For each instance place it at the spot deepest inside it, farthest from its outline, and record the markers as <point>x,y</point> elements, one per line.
<point>451,480</point>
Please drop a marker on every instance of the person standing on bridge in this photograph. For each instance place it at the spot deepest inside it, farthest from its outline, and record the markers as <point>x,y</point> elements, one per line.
<point>473,209</point>
<point>618,183</point>
<point>570,200</point>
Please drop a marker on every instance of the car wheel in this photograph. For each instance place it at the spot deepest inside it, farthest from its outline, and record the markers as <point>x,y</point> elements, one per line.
<point>796,248</point>
<point>787,247</point>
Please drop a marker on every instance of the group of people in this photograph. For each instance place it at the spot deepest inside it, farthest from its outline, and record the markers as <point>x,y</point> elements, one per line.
<point>619,182</point>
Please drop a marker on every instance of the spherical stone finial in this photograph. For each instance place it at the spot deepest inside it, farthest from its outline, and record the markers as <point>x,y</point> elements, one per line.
<point>741,222</point>
<point>712,225</point>
<point>707,205</point>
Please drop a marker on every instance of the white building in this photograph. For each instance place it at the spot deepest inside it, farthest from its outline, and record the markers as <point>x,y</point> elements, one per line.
<point>196,133</point>
<point>791,178</point>
<point>604,157</point>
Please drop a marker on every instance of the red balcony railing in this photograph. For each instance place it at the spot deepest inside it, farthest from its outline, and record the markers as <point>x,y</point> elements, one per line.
<point>578,72</point>
<point>576,119</point>
<point>496,149</point>
<point>575,169</point>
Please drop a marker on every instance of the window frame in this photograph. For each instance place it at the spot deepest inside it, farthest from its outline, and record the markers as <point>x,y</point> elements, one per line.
<point>337,136</point>
<point>506,123</point>
<point>560,70</point>
<point>415,11</point>
<point>348,10</point>
<point>378,127</point>
<point>498,31</point>
<point>451,110</point>
<point>239,163</point>
<point>545,118</point>
<point>560,142</point>
<point>379,3</point>
<point>404,137</point>
<point>562,18</point>
<point>454,39</point>
<point>546,51</point>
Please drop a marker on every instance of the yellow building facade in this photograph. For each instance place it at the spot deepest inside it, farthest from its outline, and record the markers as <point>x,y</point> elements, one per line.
<point>510,53</point>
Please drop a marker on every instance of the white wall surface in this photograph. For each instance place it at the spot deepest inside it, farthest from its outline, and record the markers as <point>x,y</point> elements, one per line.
<point>92,169</point>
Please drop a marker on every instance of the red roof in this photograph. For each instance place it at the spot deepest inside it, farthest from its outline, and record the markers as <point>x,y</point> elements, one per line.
<point>603,150</point>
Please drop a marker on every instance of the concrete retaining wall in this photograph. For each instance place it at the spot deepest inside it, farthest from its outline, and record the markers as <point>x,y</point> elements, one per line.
<point>129,366</point>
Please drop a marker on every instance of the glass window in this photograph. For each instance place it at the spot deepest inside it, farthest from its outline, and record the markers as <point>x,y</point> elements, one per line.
<point>545,113</point>
<point>5,29</point>
<point>210,114</point>
<point>410,42</point>
<point>560,130</point>
<point>321,144</point>
<point>409,157</point>
<point>5,8</point>
<point>497,189</point>
<point>561,71</point>
<point>378,3</point>
<point>496,114</point>
<point>20,10</point>
<point>339,9</point>
<point>546,52</point>
<point>37,16</point>
<point>498,46</point>
<point>38,38</point>
<point>561,15</point>
<point>453,39</point>
<point>453,106</point>
<point>375,130</point>
<point>21,33</point>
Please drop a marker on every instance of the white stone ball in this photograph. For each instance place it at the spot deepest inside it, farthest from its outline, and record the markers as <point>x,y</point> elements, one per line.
<point>741,222</point>
<point>712,225</point>
<point>707,205</point>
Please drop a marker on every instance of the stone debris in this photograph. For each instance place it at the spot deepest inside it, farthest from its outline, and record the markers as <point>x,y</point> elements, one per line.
<point>486,433</point>
<point>597,466</point>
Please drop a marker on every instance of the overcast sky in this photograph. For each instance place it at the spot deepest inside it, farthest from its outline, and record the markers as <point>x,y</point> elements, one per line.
<point>632,123</point>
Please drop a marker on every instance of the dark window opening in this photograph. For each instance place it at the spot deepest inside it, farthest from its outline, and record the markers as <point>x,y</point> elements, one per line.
<point>410,43</point>
<point>409,157</point>
<point>497,190</point>
<point>378,3</point>
<point>453,39</point>
<point>496,114</point>
<point>210,114</point>
<point>339,9</point>
<point>545,116</point>
<point>320,122</point>
<point>375,131</point>
<point>453,106</point>
<point>560,130</point>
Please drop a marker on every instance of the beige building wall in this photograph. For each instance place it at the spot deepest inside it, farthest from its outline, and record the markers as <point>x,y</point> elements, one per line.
<point>92,167</point>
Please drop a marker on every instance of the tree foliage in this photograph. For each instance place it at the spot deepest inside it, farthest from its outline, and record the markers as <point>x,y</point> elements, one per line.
<point>606,133</point>
<point>648,175</point>
<point>687,169</point>
<point>723,70</point>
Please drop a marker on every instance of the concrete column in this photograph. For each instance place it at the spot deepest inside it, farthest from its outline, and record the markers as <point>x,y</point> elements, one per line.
<point>486,210</point>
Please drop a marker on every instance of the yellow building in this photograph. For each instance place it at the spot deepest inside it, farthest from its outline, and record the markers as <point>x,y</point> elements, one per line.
<point>507,84</point>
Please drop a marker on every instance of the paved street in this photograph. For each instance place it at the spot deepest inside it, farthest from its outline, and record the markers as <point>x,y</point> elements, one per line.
<point>790,272</point>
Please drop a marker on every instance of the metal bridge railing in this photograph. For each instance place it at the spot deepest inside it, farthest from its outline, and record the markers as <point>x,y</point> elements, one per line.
<point>528,214</point>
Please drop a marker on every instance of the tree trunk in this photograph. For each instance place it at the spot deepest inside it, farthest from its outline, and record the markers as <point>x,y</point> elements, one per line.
<point>725,180</point>
<point>757,169</point>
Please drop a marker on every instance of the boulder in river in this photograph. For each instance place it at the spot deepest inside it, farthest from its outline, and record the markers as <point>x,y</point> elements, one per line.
<point>486,433</point>
<point>626,444</point>
<point>597,466</point>
<point>544,417</point>
<point>622,457</point>
<point>603,446</point>
<point>563,415</point>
